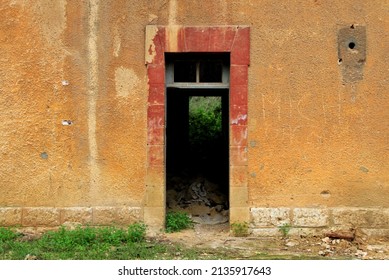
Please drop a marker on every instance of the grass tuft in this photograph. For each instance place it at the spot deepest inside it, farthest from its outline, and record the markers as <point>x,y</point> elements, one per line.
<point>240,229</point>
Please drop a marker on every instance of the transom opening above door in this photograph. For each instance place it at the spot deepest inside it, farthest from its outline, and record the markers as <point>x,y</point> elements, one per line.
<point>197,70</point>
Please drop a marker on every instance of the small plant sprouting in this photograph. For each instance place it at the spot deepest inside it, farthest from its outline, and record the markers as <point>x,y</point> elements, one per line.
<point>176,221</point>
<point>284,229</point>
<point>240,229</point>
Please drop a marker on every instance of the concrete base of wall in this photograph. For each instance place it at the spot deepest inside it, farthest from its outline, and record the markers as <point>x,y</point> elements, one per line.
<point>53,217</point>
<point>371,222</point>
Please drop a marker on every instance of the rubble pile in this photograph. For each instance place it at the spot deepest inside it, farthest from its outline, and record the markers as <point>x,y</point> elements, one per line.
<point>200,198</point>
<point>333,248</point>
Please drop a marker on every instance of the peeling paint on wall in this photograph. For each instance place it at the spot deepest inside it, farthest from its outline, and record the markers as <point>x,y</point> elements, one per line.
<point>126,81</point>
<point>238,119</point>
<point>352,52</point>
<point>151,31</point>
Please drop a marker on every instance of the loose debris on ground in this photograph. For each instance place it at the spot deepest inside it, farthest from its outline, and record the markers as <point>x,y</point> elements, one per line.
<point>218,237</point>
<point>216,242</point>
<point>199,197</point>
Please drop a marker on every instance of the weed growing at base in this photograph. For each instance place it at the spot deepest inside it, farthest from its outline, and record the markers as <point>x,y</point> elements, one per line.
<point>284,229</point>
<point>176,221</point>
<point>81,243</point>
<point>95,243</point>
<point>240,229</point>
<point>7,234</point>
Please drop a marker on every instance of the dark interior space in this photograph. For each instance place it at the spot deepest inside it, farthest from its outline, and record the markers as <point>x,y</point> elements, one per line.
<point>197,159</point>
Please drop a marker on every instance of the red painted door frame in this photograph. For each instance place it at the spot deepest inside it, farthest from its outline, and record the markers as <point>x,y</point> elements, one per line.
<point>231,39</point>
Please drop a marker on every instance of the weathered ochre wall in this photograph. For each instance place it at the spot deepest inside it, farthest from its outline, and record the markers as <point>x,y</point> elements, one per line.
<point>314,140</point>
<point>59,63</point>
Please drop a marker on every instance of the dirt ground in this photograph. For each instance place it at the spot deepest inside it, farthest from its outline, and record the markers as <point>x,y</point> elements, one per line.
<point>218,237</point>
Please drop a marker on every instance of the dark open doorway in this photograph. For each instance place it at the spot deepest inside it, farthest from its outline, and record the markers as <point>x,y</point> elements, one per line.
<point>197,159</point>
<point>197,135</point>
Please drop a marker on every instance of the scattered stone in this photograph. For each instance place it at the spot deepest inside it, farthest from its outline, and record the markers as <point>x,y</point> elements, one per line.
<point>326,240</point>
<point>30,257</point>
<point>199,197</point>
<point>210,219</point>
<point>335,241</point>
<point>341,234</point>
<point>376,248</point>
<point>291,244</point>
<point>360,254</point>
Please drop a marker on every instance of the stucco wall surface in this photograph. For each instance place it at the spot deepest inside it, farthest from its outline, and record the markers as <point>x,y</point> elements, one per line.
<point>73,101</point>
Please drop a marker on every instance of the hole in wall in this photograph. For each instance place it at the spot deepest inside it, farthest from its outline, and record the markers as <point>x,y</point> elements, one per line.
<point>351,45</point>
<point>44,155</point>
<point>326,194</point>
